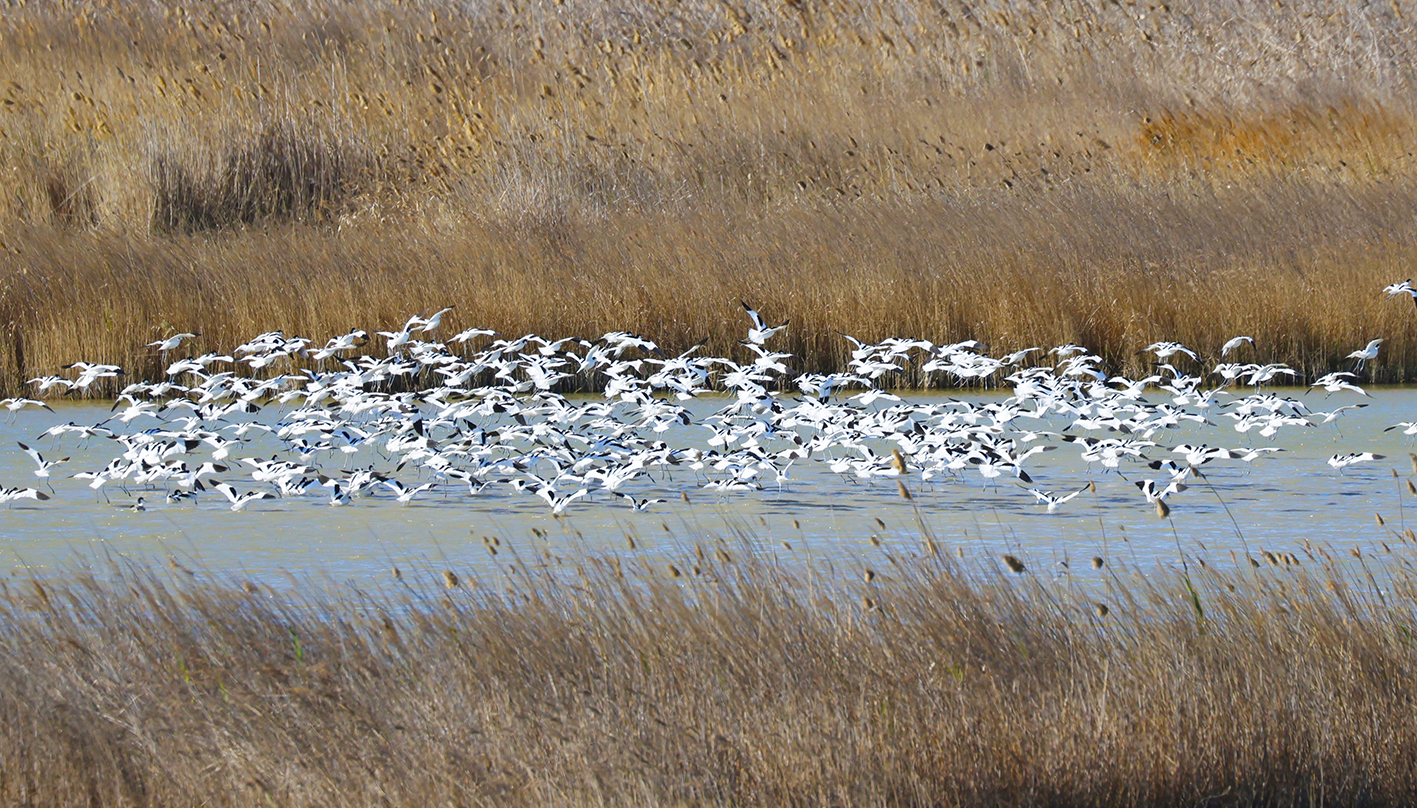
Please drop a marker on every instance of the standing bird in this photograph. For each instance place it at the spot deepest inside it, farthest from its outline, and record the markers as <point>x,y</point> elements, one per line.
<point>1370,352</point>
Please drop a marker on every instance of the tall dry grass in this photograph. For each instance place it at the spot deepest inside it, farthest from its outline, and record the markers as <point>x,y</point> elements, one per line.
<point>717,680</point>
<point>1034,172</point>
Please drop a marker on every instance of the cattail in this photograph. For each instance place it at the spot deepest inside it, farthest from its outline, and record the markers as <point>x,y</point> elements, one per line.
<point>904,492</point>
<point>1013,563</point>
<point>1379,517</point>
<point>450,579</point>
<point>1101,610</point>
<point>870,575</point>
<point>1162,509</point>
<point>1097,562</point>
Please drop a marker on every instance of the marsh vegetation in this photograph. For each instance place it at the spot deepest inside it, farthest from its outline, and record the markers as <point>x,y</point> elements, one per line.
<point>1032,173</point>
<point>712,676</point>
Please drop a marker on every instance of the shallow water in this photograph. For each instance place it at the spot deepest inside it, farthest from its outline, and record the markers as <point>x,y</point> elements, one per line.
<point>1276,503</point>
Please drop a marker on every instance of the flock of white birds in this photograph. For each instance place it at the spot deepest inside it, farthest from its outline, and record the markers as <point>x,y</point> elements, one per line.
<point>442,422</point>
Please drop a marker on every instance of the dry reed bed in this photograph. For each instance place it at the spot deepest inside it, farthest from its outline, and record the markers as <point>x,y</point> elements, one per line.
<point>736,684</point>
<point>1040,172</point>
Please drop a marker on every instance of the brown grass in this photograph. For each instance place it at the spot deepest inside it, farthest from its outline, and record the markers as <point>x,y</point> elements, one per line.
<point>1112,173</point>
<point>719,680</point>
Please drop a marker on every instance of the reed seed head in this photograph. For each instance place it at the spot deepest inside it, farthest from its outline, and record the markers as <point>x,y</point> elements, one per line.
<point>1098,563</point>
<point>674,572</point>
<point>1013,563</point>
<point>1411,489</point>
<point>904,492</point>
<point>398,574</point>
<point>898,461</point>
<point>450,579</point>
<point>879,523</point>
<point>1162,509</point>
<point>870,575</point>
<point>1101,609</point>
<point>1379,517</point>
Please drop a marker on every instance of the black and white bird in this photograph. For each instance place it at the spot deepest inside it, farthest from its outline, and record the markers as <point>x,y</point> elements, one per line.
<point>761,331</point>
<point>239,500</point>
<point>1364,354</point>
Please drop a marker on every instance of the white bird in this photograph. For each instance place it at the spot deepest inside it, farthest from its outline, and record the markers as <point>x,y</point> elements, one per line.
<point>1401,288</point>
<point>406,495</point>
<point>1334,382</point>
<point>1235,343</point>
<point>639,504</point>
<point>17,404</point>
<point>434,320</point>
<point>165,345</point>
<point>559,504</point>
<point>1363,355</point>
<point>12,494</point>
<point>1052,499</point>
<point>239,501</point>
<point>760,331</point>
<point>44,465</point>
<point>1342,461</point>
